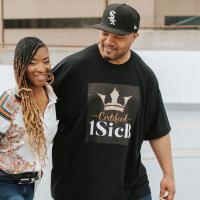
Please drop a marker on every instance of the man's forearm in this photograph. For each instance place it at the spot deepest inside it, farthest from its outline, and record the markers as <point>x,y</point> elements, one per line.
<point>162,150</point>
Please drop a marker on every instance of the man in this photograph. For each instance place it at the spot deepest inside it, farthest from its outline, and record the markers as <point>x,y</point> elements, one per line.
<point>109,103</point>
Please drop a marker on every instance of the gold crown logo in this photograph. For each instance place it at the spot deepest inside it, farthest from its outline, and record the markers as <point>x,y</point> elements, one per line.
<point>114,105</point>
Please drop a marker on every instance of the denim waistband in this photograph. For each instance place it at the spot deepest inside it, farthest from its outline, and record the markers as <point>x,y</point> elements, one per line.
<point>2,173</point>
<point>23,178</point>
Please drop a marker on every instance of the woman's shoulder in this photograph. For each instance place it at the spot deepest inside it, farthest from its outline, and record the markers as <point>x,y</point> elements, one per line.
<point>7,109</point>
<point>7,103</point>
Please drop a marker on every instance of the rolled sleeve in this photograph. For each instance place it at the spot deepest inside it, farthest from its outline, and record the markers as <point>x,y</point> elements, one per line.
<point>5,113</point>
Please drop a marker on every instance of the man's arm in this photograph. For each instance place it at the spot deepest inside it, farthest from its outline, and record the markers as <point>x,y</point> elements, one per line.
<point>162,150</point>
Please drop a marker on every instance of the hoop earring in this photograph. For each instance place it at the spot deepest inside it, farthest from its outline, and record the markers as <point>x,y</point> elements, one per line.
<point>50,78</point>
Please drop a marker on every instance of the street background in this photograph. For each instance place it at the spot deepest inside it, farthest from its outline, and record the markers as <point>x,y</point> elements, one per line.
<point>168,42</point>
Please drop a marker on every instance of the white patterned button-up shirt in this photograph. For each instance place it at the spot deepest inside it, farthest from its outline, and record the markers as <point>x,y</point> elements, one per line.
<point>15,152</point>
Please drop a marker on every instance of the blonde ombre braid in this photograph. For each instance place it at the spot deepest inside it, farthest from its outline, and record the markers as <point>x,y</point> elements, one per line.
<point>25,50</point>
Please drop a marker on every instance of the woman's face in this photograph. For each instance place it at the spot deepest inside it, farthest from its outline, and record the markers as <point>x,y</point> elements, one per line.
<point>38,69</point>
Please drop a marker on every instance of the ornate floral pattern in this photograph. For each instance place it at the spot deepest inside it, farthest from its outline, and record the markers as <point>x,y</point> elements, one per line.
<point>15,153</point>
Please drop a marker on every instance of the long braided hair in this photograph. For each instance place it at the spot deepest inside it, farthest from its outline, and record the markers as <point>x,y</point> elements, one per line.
<point>25,50</point>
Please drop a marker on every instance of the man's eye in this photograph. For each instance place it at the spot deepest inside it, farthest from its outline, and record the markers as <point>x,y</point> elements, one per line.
<point>105,33</point>
<point>46,62</point>
<point>119,37</point>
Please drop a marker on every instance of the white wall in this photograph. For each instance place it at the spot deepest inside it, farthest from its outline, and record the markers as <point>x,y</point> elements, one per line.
<point>144,7</point>
<point>182,40</point>
<point>1,23</point>
<point>178,73</point>
<point>66,37</point>
<point>6,77</point>
<point>147,40</point>
<point>175,8</point>
<point>23,9</point>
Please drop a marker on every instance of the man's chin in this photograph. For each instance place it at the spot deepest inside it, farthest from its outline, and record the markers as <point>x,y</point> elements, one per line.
<point>108,57</point>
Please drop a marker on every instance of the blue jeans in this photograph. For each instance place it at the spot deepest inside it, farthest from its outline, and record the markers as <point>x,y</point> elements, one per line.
<point>10,190</point>
<point>146,197</point>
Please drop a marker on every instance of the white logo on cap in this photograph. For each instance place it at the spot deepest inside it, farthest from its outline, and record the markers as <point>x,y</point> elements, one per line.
<point>135,27</point>
<point>112,17</point>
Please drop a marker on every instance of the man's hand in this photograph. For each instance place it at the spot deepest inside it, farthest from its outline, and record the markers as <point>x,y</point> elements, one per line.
<point>167,188</point>
<point>162,150</point>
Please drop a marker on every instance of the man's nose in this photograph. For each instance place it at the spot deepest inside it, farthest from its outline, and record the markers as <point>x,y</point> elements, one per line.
<point>110,39</point>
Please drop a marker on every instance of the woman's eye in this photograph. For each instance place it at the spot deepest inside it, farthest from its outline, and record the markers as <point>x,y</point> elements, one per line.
<point>32,63</point>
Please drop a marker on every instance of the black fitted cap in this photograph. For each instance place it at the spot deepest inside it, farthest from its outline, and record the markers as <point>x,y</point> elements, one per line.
<point>119,19</point>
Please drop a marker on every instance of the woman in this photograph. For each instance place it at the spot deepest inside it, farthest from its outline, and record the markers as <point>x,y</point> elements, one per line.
<point>27,121</point>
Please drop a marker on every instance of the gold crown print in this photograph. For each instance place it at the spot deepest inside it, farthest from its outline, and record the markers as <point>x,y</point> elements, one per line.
<point>114,105</point>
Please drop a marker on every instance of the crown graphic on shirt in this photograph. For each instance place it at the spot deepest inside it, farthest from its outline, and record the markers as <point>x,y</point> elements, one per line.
<point>114,105</point>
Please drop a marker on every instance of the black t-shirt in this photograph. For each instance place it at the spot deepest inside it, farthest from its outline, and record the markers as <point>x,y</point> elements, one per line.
<point>106,111</point>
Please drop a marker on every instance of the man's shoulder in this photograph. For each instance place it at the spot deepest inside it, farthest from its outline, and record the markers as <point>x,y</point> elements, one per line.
<point>81,55</point>
<point>75,60</point>
<point>142,66</point>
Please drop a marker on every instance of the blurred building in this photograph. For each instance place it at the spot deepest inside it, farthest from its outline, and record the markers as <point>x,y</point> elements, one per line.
<point>68,22</point>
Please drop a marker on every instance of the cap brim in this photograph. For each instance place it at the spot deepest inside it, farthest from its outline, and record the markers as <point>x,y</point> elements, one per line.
<point>110,30</point>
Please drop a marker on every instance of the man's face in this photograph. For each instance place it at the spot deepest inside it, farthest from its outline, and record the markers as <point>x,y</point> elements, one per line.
<point>116,48</point>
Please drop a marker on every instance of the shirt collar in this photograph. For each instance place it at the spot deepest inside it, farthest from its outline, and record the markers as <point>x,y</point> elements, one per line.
<point>51,94</point>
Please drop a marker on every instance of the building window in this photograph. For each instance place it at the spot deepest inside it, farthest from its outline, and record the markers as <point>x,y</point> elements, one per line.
<point>182,20</point>
<point>50,23</point>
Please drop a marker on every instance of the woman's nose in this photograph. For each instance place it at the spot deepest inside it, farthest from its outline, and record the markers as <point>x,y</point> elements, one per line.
<point>41,67</point>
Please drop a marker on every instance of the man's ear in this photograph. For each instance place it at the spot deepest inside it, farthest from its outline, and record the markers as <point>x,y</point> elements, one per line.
<point>135,35</point>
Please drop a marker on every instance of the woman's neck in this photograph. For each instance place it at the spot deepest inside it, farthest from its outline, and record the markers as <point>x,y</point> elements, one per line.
<point>41,98</point>
<point>38,91</point>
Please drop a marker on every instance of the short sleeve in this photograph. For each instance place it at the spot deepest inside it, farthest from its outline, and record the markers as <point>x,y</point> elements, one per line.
<point>156,120</point>
<point>5,112</point>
